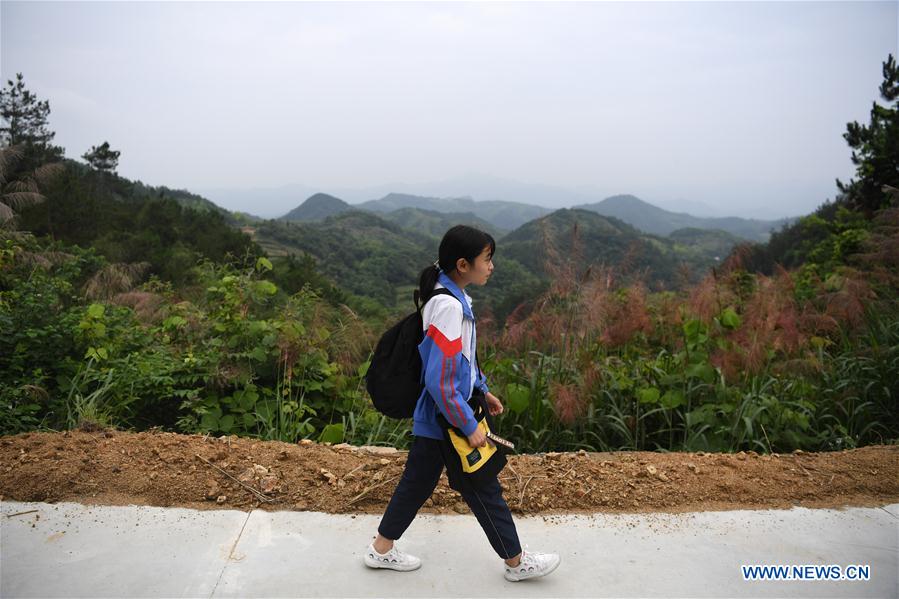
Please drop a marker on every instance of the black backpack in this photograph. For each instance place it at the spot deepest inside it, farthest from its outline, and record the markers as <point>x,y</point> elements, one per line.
<point>393,379</point>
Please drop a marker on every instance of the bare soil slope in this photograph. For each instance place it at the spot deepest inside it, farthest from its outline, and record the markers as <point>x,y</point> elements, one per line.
<point>202,472</point>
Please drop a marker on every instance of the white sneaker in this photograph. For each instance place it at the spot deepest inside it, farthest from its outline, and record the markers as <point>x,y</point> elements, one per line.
<point>533,565</point>
<point>393,559</point>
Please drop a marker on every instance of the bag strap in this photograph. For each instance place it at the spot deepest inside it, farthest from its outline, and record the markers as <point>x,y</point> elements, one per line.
<point>416,296</point>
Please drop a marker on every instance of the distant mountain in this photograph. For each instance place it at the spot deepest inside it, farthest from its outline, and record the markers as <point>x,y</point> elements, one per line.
<point>436,223</point>
<point>685,206</point>
<point>317,207</point>
<point>611,242</point>
<point>505,215</point>
<point>657,221</point>
<point>490,188</point>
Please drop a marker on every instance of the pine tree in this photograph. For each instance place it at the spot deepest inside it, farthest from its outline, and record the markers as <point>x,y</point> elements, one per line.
<point>102,158</point>
<point>26,125</point>
<point>875,148</point>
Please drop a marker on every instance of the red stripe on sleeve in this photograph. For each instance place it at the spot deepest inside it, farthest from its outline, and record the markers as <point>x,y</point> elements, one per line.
<point>443,391</point>
<point>449,348</point>
<point>453,395</point>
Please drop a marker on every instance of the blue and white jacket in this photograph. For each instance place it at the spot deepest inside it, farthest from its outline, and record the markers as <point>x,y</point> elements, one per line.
<point>449,370</point>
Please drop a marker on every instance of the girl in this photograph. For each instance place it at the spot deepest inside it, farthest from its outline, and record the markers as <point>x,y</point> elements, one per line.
<point>451,375</point>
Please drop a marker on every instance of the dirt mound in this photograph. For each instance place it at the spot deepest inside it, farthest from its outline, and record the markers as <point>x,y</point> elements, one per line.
<point>203,472</point>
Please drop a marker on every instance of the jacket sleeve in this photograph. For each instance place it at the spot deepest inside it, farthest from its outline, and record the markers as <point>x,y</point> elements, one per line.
<point>443,364</point>
<point>481,382</point>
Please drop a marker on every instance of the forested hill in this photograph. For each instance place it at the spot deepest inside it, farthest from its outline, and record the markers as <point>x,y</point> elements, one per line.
<point>435,223</point>
<point>317,207</point>
<point>320,206</point>
<point>129,222</point>
<point>362,252</point>
<point>589,239</point>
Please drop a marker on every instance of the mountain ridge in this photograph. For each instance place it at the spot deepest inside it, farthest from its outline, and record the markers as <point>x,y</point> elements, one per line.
<point>658,221</point>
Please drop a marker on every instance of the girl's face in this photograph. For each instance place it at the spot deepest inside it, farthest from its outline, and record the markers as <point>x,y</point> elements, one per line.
<point>480,271</point>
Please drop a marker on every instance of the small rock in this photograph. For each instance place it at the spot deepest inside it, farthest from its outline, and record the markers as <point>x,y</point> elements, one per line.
<point>247,476</point>
<point>662,477</point>
<point>377,450</point>
<point>269,483</point>
<point>384,462</point>
<point>301,506</point>
<point>582,453</point>
<point>306,442</point>
<point>257,469</point>
<point>460,508</point>
<point>651,470</point>
<point>221,499</point>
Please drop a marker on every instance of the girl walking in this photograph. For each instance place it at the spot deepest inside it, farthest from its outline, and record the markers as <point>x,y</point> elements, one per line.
<point>452,380</point>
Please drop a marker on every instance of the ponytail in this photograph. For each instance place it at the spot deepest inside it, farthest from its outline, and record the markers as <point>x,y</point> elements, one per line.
<point>426,282</point>
<point>460,241</point>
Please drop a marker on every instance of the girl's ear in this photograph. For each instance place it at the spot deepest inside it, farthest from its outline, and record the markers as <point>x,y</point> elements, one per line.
<point>462,265</point>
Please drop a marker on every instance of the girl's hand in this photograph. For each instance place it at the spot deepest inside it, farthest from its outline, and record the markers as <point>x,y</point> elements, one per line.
<point>494,406</point>
<point>477,438</point>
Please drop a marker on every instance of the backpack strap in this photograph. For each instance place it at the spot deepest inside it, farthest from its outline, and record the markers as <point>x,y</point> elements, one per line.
<point>416,296</point>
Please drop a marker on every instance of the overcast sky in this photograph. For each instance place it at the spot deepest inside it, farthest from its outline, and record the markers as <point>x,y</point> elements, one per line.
<point>729,104</point>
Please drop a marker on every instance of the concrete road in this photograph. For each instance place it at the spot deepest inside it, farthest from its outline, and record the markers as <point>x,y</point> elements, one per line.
<point>73,550</point>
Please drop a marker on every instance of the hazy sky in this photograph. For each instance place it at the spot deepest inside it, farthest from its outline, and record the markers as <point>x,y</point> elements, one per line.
<point>723,103</point>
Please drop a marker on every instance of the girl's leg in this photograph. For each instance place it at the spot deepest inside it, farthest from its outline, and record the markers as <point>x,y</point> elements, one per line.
<point>487,503</point>
<point>424,465</point>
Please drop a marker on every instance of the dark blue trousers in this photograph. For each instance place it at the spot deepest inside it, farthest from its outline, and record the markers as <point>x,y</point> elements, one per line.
<point>427,458</point>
